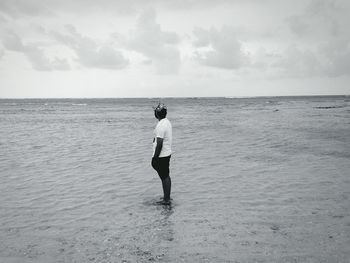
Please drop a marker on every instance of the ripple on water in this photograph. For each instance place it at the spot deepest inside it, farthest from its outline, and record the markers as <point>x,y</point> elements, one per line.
<point>249,183</point>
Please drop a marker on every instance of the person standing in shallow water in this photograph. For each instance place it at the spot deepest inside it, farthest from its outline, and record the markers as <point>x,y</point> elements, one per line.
<point>162,150</point>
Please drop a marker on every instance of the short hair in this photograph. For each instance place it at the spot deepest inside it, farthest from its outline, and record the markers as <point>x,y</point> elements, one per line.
<point>160,111</point>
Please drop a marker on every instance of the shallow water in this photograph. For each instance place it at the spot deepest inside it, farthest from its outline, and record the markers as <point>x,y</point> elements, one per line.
<point>254,180</point>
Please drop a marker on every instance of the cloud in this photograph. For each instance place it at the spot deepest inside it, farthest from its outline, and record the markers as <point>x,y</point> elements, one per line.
<point>220,49</point>
<point>34,53</point>
<point>25,7</point>
<point>320,19</point>
<point>331,60</point>
<point>297,62</point>
<point>40,62</point>
<point>12,41</point>
<point>322,29</point>
<point>89,53</point>
<point>337,54</point>
<point>2,19</point>
<point>47,8</point>
<point>35,8</point>
<point>313,41</point>
<point>158,46</point>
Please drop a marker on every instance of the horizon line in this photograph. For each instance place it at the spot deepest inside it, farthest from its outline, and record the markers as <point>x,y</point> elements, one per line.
<point>177,97</point>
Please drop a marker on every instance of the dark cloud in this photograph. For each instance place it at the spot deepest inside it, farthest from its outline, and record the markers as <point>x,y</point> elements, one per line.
<point>12,41</point>
<point>297,62</point>
<point>323,30</point>
<point>160,47</point>
<point>34,53</point>
<point>222,48</point>
<point>89,53</point>
<point>320,19</point>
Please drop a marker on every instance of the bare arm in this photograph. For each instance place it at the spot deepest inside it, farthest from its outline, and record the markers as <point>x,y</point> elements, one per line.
<point>158,147</point>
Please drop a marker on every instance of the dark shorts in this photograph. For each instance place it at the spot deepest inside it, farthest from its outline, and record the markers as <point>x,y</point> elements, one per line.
<point>161,165</point>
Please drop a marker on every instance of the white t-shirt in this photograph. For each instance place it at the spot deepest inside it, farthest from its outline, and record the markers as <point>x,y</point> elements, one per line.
<point>163,130</point>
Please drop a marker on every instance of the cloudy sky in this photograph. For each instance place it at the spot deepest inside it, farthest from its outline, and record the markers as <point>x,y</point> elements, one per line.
<point>162,48</point>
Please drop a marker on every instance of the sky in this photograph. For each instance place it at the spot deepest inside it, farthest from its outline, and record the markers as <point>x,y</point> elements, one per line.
<point>173,48</point>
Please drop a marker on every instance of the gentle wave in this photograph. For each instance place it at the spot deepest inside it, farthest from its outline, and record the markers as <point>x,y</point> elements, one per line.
<point>254,179</point>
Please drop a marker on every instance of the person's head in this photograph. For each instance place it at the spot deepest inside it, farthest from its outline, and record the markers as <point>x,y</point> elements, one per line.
<point>160,111</point>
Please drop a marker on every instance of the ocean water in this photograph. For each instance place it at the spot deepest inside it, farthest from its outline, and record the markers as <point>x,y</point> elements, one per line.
<point>254,180</point>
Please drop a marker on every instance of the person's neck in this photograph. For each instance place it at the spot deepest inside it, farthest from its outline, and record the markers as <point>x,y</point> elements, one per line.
<point>159,119</point>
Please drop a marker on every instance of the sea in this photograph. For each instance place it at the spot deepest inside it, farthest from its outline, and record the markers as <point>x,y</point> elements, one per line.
<point>263,179</point>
